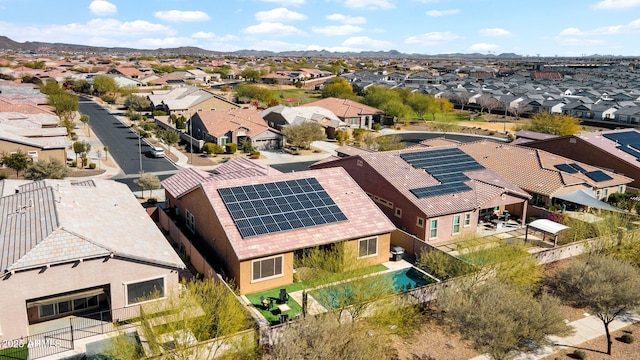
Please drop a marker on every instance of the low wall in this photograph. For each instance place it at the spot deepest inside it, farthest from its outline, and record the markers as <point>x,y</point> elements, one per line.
<point>197,260</point>
<point>409,243</point>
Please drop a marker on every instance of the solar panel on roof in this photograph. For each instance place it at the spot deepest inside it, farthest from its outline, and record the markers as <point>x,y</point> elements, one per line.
<point>279,206</point>
<point>442,189</point>
<point>598,176</point>
<point>629,142</point>
<point>578,167</point>
<point>566,168</point>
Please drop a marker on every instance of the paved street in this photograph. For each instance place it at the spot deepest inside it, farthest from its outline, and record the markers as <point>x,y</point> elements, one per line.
<point>124,146</point>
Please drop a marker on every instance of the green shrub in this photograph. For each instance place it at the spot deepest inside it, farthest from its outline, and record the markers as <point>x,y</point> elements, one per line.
<point>108,99</point>
<point>74,163</point>
<point>3,175</point>
<point>255,155</point>
<point>152,200</point>
<point>149,126</point>
<point>626,338</point>
<point>376,127</point>
<point>85,161</point>
<point>92,166</point>
<point>579,354</point>
<point>158,113</point>
<point>230,148</point>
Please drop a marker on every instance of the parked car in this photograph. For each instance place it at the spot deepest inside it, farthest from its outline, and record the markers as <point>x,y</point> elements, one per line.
<point>157,152</point>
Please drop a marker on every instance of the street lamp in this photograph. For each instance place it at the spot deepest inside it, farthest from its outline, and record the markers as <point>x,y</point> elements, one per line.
<point>191,137</point>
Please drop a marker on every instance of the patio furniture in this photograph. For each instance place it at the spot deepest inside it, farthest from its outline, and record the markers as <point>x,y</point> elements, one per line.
<point>284,297</point>
<point>265,303</point>
<point>283,308</point>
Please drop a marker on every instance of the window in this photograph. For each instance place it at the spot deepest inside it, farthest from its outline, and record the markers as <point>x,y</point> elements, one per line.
<point>264,269</point>
<point>190,220</point>
<point>47,310</point>
<point>367,247</point>
<point>598,194</point>
<point>142,291</point>
<point>420,222</point>
<point>606,192</point>
<point>384,202</point>
<point>433,229</point>
<point>456,224</point>
<point>620,189</point>
<point>398,212</point>
<point>467,219</point>
<point>67,306</point>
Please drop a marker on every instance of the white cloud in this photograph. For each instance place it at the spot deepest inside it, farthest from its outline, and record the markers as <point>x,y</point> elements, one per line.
<point>270,28</point>
<point>346,19</point>
<point>432,38</point>
<point>203,35</point>
<point>494,32</point>
<point>182,16</point>
<point>442,12</point>
<point>367,42</point>
<point>279,15</point>
<point>273,45</point>
<point>483,47</point>
<point>616,4</point>
<point>571,32</point>
<point>369,4</point>
<point>287,2</point>
<point>337,30</point>
<point>102,8</point>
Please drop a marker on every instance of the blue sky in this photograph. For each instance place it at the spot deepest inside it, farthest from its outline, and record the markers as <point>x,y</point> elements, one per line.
<point>543,27</point>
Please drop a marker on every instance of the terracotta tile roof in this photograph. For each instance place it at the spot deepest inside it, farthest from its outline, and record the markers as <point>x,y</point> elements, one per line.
<point>485,184</point>
<point>54,221</point>
<point>219,123</point>
<point>533,170</point>
<point>364,218</point>
<point>188,179</point>
<point>345,108</point>
<point>7,106</point>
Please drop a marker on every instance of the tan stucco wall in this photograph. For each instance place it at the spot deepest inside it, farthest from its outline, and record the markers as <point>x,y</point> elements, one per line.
<point>23,286</point>
<point>244,282</point>
<point>60,154</point>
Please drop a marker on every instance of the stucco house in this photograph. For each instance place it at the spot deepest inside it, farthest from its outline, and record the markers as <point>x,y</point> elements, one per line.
<point>234,126</point>
<point>256,220</point>
<point>434,193</point>
<point>355,114</point>
<point>281,116</point>
<point>186,100</point>
<point>70,248</point>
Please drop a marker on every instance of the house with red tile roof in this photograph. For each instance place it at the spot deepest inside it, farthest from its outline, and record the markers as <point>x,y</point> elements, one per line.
<point>547,177</point>
<point>235,126</point>
<point>74,248</point>
<point>355,114</point>
<point>614,150</point>
<point>436,194</point>
<point>253,219</point>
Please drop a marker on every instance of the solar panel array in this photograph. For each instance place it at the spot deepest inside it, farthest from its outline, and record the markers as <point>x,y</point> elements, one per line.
<point>441,189</point>
<point>279,206</point>
<point>629,142</point>
<point>598,176</point>
<point>447,166</point>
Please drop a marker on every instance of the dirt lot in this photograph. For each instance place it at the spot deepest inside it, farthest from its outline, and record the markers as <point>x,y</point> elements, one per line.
<point>436,341</point>
<point>596,348</point>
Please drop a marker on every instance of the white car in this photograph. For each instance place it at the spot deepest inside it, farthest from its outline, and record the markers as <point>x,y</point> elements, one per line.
<point>157,152</point>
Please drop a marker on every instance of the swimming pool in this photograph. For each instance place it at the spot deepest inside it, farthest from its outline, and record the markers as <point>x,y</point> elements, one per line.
<point>401,280</point>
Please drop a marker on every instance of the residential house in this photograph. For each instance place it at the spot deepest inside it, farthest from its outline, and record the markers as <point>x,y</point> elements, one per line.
<point>436,194</point>
<point>548,178</point>
<point>256,220</point>
<point>235,126</point>
<point>186,100</point>
<point>615,150</point>
<point>353,113</point>
<point>70,248</point>
<point>281,116</point>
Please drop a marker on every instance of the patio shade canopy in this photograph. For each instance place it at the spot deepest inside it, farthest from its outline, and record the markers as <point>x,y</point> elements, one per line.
<point>548,226</point>
<point>583,197</point>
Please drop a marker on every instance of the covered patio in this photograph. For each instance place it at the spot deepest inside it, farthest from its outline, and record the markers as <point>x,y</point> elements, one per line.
<point>546,227</point>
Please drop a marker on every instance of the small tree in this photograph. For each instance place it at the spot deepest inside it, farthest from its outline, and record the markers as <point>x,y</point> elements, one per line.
<point>501,318</point>
<point>169,137</point>
<point>302,135</point>
<point>230,148</point>
<point>137,102</point>
<point>148,181</point>
<point>604,285</point>
<point>106,152</point>
<point>41,169</point>
<point>81,148</point>
<point>211,148</point>
<point>337,87</point>
<point>554,124</point>
<point>17,161</point>
<point>246,146</point>
<point>342,136</point>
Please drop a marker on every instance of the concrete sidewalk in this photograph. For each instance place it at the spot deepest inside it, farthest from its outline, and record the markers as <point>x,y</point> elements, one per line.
<point>586,329</point>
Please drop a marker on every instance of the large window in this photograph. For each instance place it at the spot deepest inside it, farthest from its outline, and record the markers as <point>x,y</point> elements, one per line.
<point>67,305</point>
<point>145,290</point>
<point>456,224</point>
<point>268,268</point>
<point>367,247</point>
<point>467,219</point>
<point>433,229</point>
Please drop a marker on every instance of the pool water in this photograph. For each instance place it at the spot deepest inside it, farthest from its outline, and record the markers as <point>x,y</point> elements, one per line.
<point>404,279</point>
